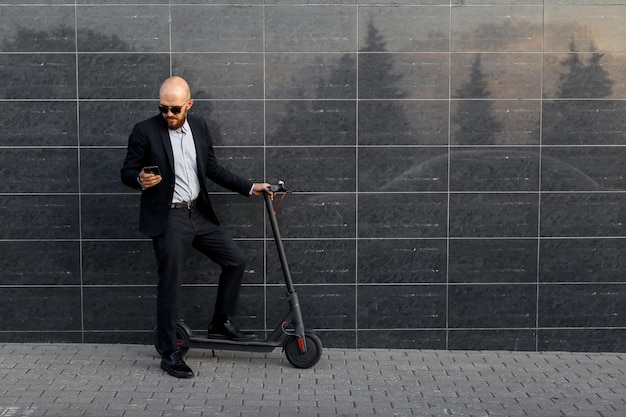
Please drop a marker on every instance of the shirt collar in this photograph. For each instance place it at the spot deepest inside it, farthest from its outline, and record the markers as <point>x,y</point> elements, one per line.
<point>183,129</point>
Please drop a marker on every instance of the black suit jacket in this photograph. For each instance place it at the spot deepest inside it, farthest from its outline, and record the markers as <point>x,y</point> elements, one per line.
<point>149,144</point>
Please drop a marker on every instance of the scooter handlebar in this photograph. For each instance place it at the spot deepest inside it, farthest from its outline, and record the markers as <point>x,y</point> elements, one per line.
<point>278,188</point>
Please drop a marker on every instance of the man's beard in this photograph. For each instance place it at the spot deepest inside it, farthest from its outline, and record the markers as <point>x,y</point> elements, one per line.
<point>174,123</point>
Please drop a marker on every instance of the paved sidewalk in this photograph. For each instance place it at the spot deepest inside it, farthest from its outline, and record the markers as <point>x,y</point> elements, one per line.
<point>65,380</point>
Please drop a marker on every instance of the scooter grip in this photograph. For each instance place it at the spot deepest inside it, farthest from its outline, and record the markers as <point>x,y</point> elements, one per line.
<point>278,188</point>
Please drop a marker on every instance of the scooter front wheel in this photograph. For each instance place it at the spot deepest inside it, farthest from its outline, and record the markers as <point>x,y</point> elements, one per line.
<point>182,339</point>
<point>307,359</point>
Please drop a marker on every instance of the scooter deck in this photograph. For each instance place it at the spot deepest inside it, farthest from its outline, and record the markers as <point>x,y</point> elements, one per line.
<point>254,345</point>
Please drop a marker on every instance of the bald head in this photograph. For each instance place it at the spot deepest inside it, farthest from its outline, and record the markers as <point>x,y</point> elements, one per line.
<point>175,98</point>
<point>175,89</point>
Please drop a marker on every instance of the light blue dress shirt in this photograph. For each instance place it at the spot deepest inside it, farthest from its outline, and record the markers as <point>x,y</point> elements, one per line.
<point>186,185</point>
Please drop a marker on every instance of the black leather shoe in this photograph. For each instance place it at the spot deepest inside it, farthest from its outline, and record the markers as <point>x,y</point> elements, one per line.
<point>227,330</point>
<point>174,365</point>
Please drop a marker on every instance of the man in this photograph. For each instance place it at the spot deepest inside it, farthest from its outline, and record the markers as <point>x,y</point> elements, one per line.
<point>176,213</point>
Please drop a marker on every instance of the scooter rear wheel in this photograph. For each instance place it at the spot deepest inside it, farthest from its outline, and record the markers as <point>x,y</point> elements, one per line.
<point>182,339</point>
<point>307,359</point>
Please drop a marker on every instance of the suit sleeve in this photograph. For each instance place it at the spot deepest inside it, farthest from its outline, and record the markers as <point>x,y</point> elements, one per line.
<point>134,161</point>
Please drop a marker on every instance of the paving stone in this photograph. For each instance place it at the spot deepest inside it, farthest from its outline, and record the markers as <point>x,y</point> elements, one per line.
<point>40,380</point>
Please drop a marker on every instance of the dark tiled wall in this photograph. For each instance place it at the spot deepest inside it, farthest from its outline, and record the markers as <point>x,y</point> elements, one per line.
<point>457,167</point>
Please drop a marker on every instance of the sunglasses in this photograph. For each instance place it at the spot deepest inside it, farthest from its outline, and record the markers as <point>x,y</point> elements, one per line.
<point>174,109</point>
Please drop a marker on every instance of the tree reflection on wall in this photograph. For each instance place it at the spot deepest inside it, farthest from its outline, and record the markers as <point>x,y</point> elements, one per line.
<point>474,116</point>
<point>578,116</point>
<point>582,80</point>
<point>378,80</point>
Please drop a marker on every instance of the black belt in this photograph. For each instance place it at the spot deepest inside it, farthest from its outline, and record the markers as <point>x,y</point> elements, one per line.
<point>185,204</point>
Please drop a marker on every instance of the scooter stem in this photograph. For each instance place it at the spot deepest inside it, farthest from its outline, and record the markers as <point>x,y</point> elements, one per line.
<point>279,243</point>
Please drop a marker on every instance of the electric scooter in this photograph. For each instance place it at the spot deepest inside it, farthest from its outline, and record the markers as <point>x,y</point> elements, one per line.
<point>302,347</point>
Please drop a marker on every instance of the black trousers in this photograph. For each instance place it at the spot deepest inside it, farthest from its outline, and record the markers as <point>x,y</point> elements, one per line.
<point>187,229</point>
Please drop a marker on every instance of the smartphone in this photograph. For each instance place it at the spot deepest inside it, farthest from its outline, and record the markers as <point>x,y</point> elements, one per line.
<point>153,169</point>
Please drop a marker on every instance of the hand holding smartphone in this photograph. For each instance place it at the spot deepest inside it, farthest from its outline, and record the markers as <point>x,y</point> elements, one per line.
<point>152,169</point>
<point>150,180</point>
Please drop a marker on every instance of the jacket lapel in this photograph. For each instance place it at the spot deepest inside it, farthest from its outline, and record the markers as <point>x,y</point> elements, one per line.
<point>167,144</point>
<point>198,140</point>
